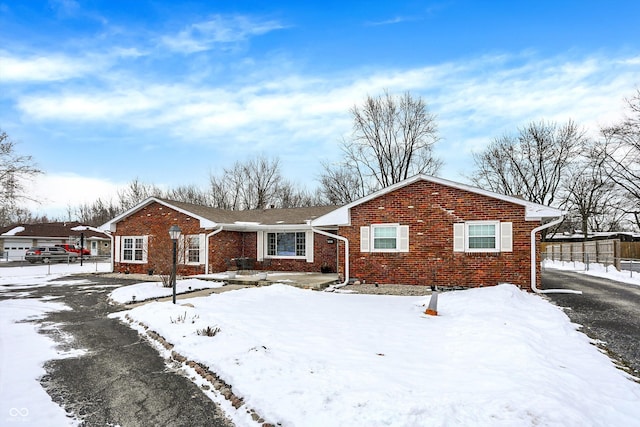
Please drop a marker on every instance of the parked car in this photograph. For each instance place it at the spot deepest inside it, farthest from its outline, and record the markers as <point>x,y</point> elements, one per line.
<point>75,249</point>
<point>49,254</point>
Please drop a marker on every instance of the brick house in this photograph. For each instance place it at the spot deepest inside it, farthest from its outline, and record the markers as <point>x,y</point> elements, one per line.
<point>431,231</point>
<point>423,230</point>
<point>215,240</point>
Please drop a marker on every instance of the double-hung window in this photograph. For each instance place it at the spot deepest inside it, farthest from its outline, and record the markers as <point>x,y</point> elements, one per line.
<point>286,244</point>
<point>193,248</point>
<point>133,249</point>
<point>483,236</point>
<point>384,238</point>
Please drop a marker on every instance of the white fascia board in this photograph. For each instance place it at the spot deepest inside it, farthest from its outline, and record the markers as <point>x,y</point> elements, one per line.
<point>339,216</point>
<point>111,225</point>
<point>533,211</point>
<point>264,227</point>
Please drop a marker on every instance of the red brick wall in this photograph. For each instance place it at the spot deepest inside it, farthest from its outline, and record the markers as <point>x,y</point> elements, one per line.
<point>155,219</point>
<point>430,210</point>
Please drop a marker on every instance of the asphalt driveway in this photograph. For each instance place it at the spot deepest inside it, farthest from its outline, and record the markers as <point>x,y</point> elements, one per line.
<point>609,311</point>
<point>121,380</point>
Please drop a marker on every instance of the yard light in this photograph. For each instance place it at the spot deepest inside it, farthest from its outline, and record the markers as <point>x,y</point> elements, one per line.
<point>174,233</point>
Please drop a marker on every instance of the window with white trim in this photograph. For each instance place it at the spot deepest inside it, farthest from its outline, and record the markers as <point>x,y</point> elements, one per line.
<point>384,238</point>
<point>193,248</point>
<point>483,236</point>
<point>286,244</point>
<point>133,249</point>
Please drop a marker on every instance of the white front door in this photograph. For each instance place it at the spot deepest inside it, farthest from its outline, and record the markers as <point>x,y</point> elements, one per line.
<point>94,248</point>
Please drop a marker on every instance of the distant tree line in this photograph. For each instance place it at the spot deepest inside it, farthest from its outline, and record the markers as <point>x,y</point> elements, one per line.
<point>595,179</point>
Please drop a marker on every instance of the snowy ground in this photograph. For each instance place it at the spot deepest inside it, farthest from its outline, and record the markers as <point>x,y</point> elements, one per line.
<point>597,270</point>
<point>23,351</point>
<point>493,357</point>
<point>151,290</point>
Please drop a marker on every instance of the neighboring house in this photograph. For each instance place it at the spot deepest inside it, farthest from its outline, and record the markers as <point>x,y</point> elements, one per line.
<point>421,231</point>
<point>214,240</point>
<point>17,238</point>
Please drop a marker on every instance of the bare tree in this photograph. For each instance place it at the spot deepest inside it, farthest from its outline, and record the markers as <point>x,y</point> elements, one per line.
<point>392,139</point>
<point>14,170</point>
<point>621,148</point>
<point>340,185</point>
<point>590,195</point>
<point>253,184</point>
<point>136,192</point>
<point>189,194</point>
<point>531,164</point>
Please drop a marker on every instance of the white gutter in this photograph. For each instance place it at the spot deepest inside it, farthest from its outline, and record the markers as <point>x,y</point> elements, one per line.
<point>346,254</point>
<point>534,264</point>
<point>206,249</point>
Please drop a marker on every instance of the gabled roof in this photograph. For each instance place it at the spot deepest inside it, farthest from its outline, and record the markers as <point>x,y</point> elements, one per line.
<point>51,229</point>
<point>233,220</point>
<point>533,211</point>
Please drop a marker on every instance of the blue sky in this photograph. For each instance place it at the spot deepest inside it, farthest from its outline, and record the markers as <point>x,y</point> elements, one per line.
<point>102,92</point>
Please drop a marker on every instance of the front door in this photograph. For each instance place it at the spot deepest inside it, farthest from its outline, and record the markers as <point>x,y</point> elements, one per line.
<point>94,248</point>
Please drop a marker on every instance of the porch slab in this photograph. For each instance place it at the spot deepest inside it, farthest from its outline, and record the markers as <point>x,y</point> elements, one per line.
<point>316,281</point>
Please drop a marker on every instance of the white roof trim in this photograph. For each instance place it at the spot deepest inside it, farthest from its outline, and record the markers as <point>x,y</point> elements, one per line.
<point>533,211</point>
<point>111,225</point>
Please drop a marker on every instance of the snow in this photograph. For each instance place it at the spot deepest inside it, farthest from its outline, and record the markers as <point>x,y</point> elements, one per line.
<point>23,352</point>
<point>596,270</point>
<point>14,231</point>
<point>492,357</point>
<point>151,290</point>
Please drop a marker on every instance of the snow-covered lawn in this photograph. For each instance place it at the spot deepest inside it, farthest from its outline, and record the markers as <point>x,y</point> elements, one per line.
<point>492,357</point>
<point>152,290</point>
<point>597,270</point>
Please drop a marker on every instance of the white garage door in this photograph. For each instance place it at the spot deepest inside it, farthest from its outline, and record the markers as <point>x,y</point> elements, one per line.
<point>14,250</point>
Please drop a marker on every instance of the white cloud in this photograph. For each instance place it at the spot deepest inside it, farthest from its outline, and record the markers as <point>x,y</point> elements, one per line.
<point>55,193</point>
<point>218,30</point>
<point>474,100</point>
<point>43,68</point>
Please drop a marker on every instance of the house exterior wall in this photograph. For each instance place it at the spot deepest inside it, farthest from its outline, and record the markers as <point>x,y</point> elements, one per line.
<point>430,210</point>
<point>227,245</point>
<point>154,221</point>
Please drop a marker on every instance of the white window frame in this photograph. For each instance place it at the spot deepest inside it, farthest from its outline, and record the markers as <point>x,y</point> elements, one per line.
<point>368,233</point>
<point>192,247</point>
<point>503,237</point>
<point>496,236</point>
<point>139,244</point>
<point>296,233</point>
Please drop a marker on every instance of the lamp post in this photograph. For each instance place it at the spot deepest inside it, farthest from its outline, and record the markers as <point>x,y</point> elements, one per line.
<point>174,233</point>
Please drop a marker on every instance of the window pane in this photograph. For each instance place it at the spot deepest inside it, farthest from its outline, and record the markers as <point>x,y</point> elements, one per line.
<point>301,245</point>
<point>286,245</point>
<point>193,248</point>
<point>384,237</point>
<point>384,232</point>
<point>482,236</point>
<point>271,244</point>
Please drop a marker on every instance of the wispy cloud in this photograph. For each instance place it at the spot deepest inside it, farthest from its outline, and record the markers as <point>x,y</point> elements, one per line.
<point>218,31</point>
<point>392,21</point>
<point>45,68</point>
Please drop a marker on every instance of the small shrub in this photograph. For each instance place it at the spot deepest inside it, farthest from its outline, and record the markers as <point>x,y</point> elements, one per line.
<point>183,318</point>
<point>208,331</point>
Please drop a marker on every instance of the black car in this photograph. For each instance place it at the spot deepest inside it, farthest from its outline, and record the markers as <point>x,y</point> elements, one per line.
<point>49,254</point>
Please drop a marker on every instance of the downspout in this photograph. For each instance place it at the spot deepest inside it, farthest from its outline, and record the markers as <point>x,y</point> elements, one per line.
<point>112,250</point>
<point>206,249</point>
<point>534,264</point>
<point>346,254</point>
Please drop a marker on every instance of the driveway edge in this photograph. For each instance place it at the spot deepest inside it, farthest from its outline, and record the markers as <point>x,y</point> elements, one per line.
<point>223,389</point>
